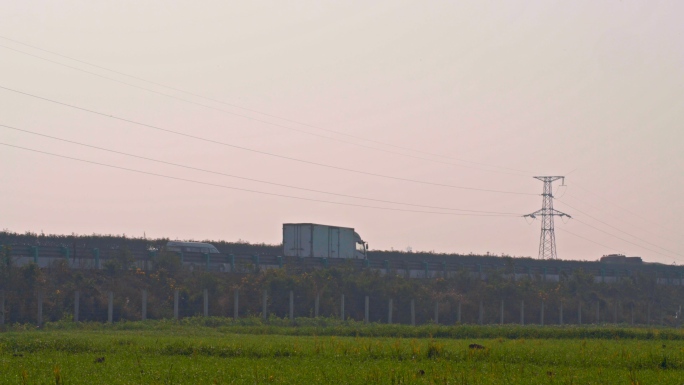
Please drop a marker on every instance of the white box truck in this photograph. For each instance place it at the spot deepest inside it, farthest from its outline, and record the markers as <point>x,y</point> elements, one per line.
<point>321,241</point>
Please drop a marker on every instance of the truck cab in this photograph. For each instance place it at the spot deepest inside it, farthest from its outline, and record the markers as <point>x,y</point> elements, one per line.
<point>361,247</point>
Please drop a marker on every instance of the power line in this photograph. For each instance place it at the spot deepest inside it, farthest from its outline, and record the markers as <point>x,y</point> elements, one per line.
<point>616,217</point>
<point>245,178</point>
<point>624,209</point>
<point>625,240</point>
<point>624,232</point>
<point>255,119</point>
<point>244,108</point>
<point>589,240</point>
<point>259,151</point>
<point>248,190</point>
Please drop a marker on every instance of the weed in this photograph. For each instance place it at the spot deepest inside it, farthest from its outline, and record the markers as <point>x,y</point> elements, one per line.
<point>434,349</point>
<point>57,371</point>
<point>173,353</point>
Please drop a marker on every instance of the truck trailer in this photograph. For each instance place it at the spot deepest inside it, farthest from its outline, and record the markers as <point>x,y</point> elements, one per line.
<point>322,241</point>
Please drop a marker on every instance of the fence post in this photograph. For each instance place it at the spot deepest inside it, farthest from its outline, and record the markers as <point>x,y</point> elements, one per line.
<point>366,314</point>
<point>542,313</point>
<point>40,309</point>
<point>561,313</point>
<point>458,312</point>
<point>342,306</point>
<point>2,307</point>
<point>110,307</point>
<point>255,260</point>
<point>522,313</point>
<point>501,321</point>
<point>291,306</point>
<point>144,304</point>
<point>598,312</point>
<point>76,305</point>
<point>437,313</point>
<point>413,313</point>
<point>579,312</point>
<point>632,311</point>
<point>147,263</point>
<point>207,261</point>
<point>65,251</point>
<point>205,294</point>
<point>175,304</point>
<point>480,317</point>
<point>316,304</point>
<point>236,304</point>
<point>34,251</point>
<point>264,305</point>
<point>389,312</point>
<point>648,314</point>
<point>96,255</point>
<point>615,309</point>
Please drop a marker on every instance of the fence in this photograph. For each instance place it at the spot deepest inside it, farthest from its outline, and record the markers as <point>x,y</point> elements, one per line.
<point>110,307</point>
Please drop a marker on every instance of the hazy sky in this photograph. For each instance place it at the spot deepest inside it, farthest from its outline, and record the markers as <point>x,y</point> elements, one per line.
<point>593,90</point>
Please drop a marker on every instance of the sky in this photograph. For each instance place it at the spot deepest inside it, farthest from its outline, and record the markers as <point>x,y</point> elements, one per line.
<point>385,116</point>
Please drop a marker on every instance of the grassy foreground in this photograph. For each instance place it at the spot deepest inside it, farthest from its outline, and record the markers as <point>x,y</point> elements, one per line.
<point>171,353</point>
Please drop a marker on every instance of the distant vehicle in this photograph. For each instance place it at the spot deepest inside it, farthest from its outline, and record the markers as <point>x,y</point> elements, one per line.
<point>191,247</point>
<point>620,258</point>
<point>322,241</point>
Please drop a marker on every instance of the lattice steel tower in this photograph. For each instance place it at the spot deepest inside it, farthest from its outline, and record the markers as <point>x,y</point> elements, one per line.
<point>547,239</point>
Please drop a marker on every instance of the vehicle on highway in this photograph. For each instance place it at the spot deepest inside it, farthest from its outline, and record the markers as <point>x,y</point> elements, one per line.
<point>620,258</point>
<point>322,241</point>
<point>191,247</point>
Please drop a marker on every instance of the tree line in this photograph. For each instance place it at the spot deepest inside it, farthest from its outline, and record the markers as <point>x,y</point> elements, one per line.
<point>462,294</point>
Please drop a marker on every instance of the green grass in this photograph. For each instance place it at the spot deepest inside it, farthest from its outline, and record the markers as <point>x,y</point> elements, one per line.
<point>164,352</point>
<point>334,327</point>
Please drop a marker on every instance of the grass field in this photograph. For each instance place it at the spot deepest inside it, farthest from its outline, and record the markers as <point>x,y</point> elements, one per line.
<point>158,352</point>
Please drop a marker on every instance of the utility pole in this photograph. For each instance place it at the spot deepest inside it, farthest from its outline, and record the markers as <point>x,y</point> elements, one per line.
<point>547,239</point>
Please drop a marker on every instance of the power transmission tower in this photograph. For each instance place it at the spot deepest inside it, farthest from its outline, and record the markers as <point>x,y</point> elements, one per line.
<point>547,239</point>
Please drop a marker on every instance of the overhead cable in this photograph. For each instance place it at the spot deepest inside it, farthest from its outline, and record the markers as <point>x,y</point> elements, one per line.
<point>624,209</point>
<point>599,208</point>
<point>623,239</point>
<point>589,240</point>
<point>249,190</point>
<point>258,120</point>
<point>624,232</point>
<point>203,139</point>
<point>257,112</point>
<point>245,178</point>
